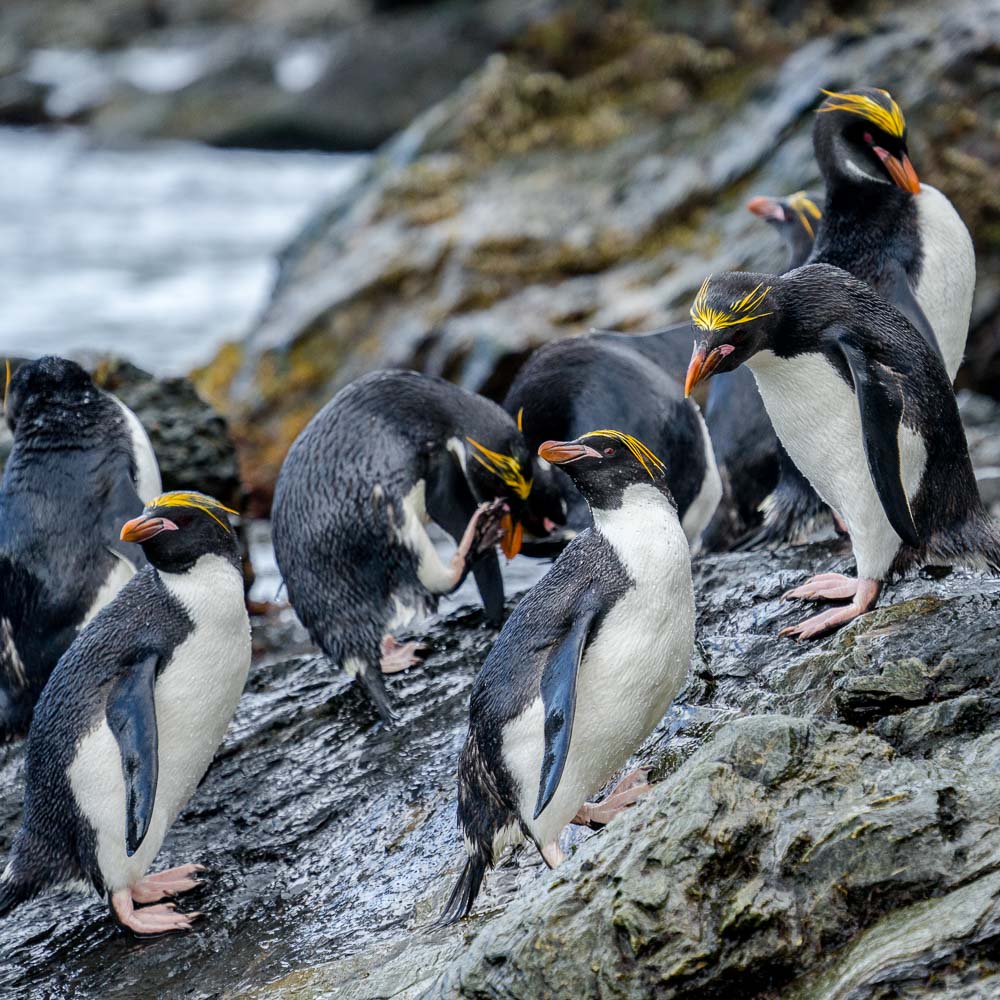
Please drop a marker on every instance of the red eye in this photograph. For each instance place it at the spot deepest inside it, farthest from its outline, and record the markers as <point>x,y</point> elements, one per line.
<point>868,138</point>
<point>608,452</point>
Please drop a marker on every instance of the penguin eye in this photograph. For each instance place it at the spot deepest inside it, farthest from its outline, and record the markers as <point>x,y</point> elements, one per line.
<point>869,139</point>
<point>608,452</point>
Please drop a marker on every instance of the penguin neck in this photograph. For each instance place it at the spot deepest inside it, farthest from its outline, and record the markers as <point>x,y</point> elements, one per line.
<point>644,532</point>
<point>58,426</point>
<point>859,212</point>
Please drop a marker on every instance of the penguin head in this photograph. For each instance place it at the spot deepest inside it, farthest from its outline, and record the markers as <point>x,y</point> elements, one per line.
<point>176,529</point>
<point>603,464</point>
<point>41,392</point>
<point>796,219</point>
<point>860,140</point>
<point>502,475</point>
<point>734,315</point>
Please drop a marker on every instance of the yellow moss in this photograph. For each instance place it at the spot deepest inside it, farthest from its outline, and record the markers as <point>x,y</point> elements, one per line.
<point>213,380</point>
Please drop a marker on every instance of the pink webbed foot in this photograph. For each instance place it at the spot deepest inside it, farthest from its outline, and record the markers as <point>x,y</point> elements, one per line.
<point>627,792</point>
<point>161,885</point>
<point>397,656</point>
<point>865,596</point>
<point>150,920</point>
<point>825,587</point>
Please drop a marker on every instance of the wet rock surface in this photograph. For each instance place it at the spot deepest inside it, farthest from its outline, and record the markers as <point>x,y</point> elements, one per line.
<point>591,175</point>
<point>825,822</point>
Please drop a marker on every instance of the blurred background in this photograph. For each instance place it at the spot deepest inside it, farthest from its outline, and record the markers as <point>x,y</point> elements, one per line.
<point>275,196</point>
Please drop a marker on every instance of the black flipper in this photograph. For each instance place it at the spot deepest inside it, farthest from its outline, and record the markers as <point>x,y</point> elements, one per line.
<point>489,580</point>
<point>895,288</point>
<point>880,401</point>
<point>131,715</point>
<point>451,505</point>
<point>559,696</point>
<point>370,679</point>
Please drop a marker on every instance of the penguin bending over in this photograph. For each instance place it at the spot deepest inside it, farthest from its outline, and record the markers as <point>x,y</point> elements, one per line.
<point>865,409</point>
<point>389,453</point>
<point>81,464</point>
<point>570,385</point>
<point>882,225</point>
<point>758,476</point>
<point>131,718</point>
<point>583,670</point>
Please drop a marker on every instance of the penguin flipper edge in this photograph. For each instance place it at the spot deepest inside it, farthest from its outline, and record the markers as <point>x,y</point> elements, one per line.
<point>895,286</point>
<point>131,715</point>
<point>880,402</point>
<point>558,688</point>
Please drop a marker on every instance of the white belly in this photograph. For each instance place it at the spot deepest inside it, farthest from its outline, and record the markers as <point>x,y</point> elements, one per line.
<point>816,416</point>
<point>699,514</point>
<point>147,469</point>
<point>629,675</point>
<point>948,276</point>
<point>196,696</point>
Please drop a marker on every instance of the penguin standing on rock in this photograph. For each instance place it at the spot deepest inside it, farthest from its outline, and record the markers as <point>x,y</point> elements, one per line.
<point>882,225</point>
<point>584,669</point>
<point>131,718</point>
<point>864,407</point>
<point>81,464</point>
<point>389,453</point>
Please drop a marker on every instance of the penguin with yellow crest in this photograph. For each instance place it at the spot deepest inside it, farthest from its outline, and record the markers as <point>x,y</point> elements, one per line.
<point>390,453</point>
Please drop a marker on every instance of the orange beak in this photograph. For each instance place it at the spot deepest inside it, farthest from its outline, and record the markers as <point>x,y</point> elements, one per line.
<point>142,528</point>
<point>561,452</point>
<point>900,170</point>
<point>702,366</point>
<point>513,533</point>
<point>766,208</point>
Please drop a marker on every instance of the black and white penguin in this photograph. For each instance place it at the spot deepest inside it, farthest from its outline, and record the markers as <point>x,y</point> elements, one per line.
<point>131,718</point>
<point>389,453</point>
<point>583,670</point>
<point>758,476</point>
<point>570,386</point>
<point>81,464</point>
<point>864,406</point>
<point>882,225</point>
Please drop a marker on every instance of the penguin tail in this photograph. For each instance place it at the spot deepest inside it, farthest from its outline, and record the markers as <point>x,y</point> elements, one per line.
<point>463,896</point>
<point>14,891</point>
<point>791,515</point>
<point>370,679</point>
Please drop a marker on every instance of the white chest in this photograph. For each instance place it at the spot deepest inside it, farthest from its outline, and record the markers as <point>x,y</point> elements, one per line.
<point>195,697</point>
<point>948,277</point>
<point>630,672</point>
<point>816,416</point>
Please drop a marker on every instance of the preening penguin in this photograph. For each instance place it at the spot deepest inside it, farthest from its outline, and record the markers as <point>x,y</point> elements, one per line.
<point>389,453</point>
<point>132,716</point>
<point>864,407</point>
<point>882,225</point>
<point>583,670</point>
<point>571,385</point>
<point>80,466</point>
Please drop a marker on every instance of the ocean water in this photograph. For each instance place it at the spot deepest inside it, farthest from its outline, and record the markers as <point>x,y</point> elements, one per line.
<point>158,253</point>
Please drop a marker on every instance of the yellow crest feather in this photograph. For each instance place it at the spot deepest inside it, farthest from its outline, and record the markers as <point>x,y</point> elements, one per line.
<point>804,207</point>
<point>189,498</point>
<point>707,317</point>
<point>505,467</point>
<point>642,454</point>
<point>890,119</point>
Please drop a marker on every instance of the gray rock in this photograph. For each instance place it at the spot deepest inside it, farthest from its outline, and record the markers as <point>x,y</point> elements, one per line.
<point>591,176</point>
